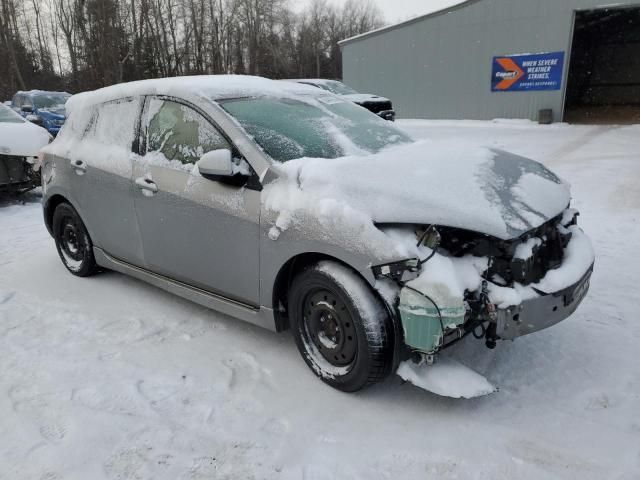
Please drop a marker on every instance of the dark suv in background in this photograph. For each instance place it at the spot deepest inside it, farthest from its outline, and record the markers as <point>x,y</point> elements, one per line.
<point>379,105</point>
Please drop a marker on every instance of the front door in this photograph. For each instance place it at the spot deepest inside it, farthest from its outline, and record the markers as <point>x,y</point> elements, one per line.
<point>198,231</point>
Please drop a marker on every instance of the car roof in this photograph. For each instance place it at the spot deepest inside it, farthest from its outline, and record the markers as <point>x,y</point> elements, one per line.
<point>214,87</point>
<point>314,80</point>
<point>35,93</point>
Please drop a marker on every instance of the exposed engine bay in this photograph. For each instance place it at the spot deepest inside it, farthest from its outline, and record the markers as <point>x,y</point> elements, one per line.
<point>435,315</point>
<point>17,174</point>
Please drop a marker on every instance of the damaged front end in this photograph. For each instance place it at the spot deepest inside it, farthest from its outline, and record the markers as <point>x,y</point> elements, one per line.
<point>474,284</point>
<point>18,174</point>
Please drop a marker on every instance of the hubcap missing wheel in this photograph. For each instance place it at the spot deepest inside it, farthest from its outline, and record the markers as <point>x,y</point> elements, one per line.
<point>329,326</point>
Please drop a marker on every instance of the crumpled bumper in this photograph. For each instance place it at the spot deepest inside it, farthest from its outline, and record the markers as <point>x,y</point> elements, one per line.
<point>543,311</point>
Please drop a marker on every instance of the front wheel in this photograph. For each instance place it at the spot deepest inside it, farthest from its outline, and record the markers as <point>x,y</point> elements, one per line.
<point>73,242</point>
<point>340,326</point>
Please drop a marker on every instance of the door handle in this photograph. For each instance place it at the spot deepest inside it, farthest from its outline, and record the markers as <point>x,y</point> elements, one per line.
<point>79,167</point>
<point>147,186</point>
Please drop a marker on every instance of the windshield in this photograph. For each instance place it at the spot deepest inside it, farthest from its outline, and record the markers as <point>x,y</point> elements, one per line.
<point>50,100</point>
<point>9,116</point>
<point>336,87</point>
<point>320,127</point>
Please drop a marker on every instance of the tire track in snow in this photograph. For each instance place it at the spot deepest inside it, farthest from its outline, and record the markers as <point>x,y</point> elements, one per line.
<point>560,155</point>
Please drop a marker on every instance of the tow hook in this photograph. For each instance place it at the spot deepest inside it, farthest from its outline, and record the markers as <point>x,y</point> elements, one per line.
<point>491,335</point>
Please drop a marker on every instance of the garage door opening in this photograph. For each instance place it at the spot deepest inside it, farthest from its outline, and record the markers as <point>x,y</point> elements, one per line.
<point>604,73</point>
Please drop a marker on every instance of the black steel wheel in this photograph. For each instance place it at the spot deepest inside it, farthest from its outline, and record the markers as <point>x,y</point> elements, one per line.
<point>73,242</point>
<point>340,326</point>
<point>328,324</point>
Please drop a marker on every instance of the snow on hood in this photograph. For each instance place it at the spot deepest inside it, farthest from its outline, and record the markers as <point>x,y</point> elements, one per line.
<point>364,97</point>
<point>22,139</point>
<point>479,189</point>
<point>59,111</point>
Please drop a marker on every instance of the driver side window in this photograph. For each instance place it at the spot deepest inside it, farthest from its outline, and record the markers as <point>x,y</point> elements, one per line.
<point>178,134</point>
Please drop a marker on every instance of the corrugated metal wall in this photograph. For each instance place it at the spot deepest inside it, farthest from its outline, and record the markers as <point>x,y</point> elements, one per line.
<point>440,66</point>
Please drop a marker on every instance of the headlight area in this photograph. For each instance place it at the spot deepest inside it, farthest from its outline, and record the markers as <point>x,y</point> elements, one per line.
<point>430,320</point>
<point>402,271</point>
<point>434,314</point>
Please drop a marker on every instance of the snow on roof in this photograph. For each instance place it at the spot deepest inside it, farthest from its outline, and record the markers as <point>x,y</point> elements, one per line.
<point>443,7</point>
<point>41,92</point>
<point>209,86</point>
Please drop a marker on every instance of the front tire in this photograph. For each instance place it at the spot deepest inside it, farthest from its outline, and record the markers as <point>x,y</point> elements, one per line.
<point>340,326</point>
<point>73,242</point>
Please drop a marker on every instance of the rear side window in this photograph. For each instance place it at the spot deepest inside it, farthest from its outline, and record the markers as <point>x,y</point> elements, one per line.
<point>178,134</point>
<point>114,123</point>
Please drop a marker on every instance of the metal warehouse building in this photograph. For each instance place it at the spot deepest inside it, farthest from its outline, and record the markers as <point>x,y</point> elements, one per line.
<point>485,59</point>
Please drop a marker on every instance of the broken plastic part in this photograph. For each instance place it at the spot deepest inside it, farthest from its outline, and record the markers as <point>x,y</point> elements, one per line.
<point>425,317</point>
<point>446,377</point>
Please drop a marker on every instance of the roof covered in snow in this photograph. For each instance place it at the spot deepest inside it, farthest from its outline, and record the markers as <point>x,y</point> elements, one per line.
<point>209,86</point>
<point>451,6</point>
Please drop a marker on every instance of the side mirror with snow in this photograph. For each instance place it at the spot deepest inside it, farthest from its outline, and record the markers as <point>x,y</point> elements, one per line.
<point>34,119</point>
<point>216,164</point>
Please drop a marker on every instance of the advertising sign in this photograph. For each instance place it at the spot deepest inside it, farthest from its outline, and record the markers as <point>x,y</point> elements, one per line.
<point>527,72</point>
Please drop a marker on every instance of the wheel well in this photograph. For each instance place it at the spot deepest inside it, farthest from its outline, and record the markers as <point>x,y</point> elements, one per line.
<point>294,266</point>
<point>49,208</point>
<point>283,281</point>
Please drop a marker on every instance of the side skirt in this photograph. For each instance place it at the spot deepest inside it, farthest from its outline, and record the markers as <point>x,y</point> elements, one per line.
<point>262,317</point>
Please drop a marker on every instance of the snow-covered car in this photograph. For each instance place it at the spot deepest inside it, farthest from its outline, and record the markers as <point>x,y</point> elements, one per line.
<point>379,105</point>
<point>20,142</point>
<point>291,208</point>
<point>43,108</point>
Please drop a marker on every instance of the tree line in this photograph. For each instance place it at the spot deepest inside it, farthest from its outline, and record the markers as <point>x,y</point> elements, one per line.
<point>79,45</point>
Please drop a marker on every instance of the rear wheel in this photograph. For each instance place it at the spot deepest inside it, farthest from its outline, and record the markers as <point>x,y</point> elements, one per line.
<point>73,242</point>
<point>340,326</point>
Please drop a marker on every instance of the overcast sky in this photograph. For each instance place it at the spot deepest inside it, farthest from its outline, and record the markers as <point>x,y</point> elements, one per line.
<point>398,10</point>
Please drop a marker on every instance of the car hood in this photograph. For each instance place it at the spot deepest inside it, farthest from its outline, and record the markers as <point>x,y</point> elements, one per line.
<point>52,113</point>
<point>473,188</point>
<point>364,97</point>
<point>22,139</point>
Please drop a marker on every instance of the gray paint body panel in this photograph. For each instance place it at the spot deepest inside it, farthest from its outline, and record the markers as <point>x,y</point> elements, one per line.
<point>198,238</point>
<point>439,66</point>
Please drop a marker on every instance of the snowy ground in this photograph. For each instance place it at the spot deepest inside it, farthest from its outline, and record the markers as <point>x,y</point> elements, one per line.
<point>110,378</point>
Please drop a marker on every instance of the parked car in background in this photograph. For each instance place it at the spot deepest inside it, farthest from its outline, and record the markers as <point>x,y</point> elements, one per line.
<point>42,108</point>
<point>379,105</point>
<point>293,208</point>
<point>20,142</point>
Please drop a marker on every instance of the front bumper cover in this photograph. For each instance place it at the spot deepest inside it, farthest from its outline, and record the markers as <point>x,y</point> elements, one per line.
<point>542,312</point>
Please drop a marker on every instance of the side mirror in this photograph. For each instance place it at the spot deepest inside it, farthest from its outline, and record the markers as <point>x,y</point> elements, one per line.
<point>34,119</point>
<point>217,163</point>
<point>27,108</point>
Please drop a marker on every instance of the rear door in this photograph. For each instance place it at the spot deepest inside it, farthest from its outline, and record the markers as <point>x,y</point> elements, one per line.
<point>101,180</point>
<point>201,232</point>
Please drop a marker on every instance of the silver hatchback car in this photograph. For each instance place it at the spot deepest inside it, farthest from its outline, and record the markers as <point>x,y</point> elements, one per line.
<point>290,208</point>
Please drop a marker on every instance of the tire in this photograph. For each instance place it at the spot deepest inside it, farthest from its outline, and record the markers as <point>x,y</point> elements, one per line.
<point>73,242</point>
<point>341,327</point>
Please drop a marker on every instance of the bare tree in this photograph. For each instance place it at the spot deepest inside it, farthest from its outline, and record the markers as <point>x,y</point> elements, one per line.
<point>93,43</point>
